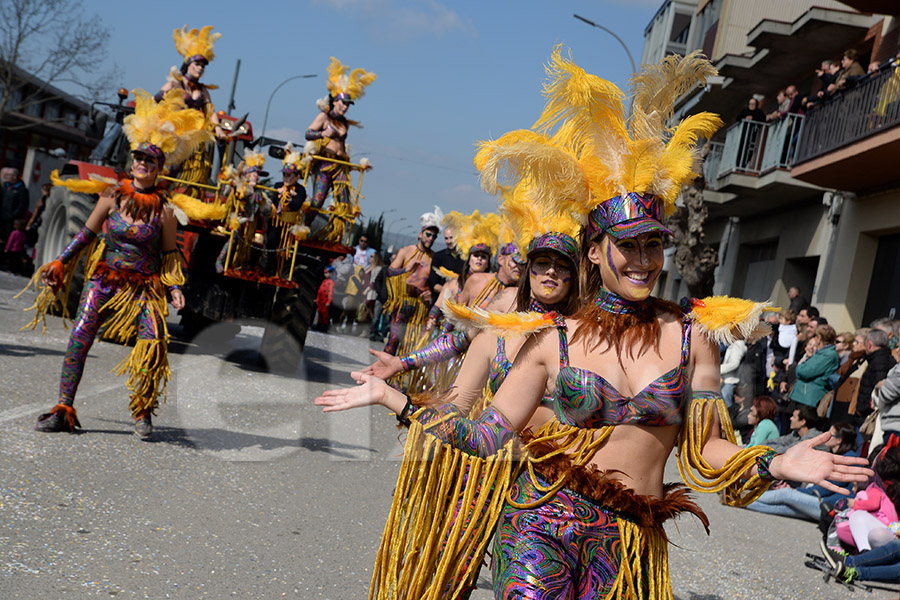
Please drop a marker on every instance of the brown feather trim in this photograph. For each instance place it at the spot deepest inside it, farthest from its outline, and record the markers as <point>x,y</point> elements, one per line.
<point>71,416</point>
<point>121,278</point>
<point>140,206</point>
<point>600,487</point>
<point>636,332</point>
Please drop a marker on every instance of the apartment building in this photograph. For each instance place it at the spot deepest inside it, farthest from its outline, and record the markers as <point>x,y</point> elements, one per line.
<point>809,200</point>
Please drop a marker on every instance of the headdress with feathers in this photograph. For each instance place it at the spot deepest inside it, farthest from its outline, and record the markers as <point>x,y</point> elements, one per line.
<point>166,125</point>
<point>254,160</point>
<point>474,232</point>
<point>293,159</point>
<point>341,80</point>
<point>432,219</point>
<point>582,151</point>
<point>195,42</point>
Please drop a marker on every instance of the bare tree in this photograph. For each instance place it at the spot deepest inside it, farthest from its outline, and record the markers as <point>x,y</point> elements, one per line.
<point>695,260</point>
<point>56,43</point>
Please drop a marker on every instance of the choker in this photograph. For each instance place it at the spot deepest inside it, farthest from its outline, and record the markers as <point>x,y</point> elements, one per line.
<point>535,305</point>
<point>617,305</point>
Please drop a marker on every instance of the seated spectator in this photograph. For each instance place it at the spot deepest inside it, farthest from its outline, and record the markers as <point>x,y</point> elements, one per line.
<point>802,427</point>
<point>761,418</point>
<point>807,502</point>
<point>880,564</point>
<point>890,328</point>
<point>843,344</point>
<point>729,369</point>
<point>849,374</point>
<point>813,374</point>
<point>873,508</point>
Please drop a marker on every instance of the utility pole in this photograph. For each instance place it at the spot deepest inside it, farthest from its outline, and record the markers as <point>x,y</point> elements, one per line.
<point>237,69</point>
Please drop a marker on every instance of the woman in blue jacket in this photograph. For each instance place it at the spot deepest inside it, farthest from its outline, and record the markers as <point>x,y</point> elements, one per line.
<point>813,373</point>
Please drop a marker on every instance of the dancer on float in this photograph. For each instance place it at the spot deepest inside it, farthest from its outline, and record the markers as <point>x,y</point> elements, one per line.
<point>583,518</point>
<point>327,135</point>
<point>409,296</point>
<point>130,268</point>
<point>248,210</point>
<point>478,289</point>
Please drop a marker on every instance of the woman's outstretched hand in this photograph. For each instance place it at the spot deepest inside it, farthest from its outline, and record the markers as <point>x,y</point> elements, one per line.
<point>385,367</point>
<point>371,390</point>
<point>802,463</point>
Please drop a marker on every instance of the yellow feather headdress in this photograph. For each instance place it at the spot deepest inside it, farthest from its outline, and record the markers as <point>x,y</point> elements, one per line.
<point>292,158</point>
<point>474,231</point>
<point>535,227</point>
<point>583,151</point>
<point>167,125</point>
<point>195,42</point>
<point>254,160</point>
<point>341,80</point>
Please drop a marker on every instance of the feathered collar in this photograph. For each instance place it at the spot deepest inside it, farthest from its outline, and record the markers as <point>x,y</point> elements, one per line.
<point>141,204</point>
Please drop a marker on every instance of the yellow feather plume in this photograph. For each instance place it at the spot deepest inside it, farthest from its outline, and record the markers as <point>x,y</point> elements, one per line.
<point>353,83</point>
<point>474,229</point>
<point>193,42</point>
<point>446,273</point>
<point>168,125</point>
<point>528,218</point>
<point>253,158</point>
<point>84,186</point>
<point>501,324</point>
<point>724,319</point>
<point>197,209</point>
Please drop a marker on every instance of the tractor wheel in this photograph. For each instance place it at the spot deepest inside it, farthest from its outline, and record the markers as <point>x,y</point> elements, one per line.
<point>292,314</point>
<point>64,216</point>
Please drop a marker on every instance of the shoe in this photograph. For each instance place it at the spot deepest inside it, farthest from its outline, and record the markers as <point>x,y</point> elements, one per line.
<point>833,556</point>
<point>61,417</point>
<point>143,426</point>
<point>844,572</point>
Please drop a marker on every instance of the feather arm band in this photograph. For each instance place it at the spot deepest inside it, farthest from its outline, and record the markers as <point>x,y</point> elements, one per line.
<point>724,319</point>
<point>83,186</point>
<point>502,324</point>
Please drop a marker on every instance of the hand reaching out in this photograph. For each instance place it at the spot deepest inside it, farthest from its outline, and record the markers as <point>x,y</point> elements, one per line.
<point>802,463</point>
<point>385,367</point>
<point>370,390</point>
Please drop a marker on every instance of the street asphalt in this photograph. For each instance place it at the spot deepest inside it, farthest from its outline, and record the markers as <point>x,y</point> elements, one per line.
<point>248,490</point>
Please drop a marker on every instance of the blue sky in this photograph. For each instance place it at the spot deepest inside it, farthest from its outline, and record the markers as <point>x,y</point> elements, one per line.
<point>450,73</point>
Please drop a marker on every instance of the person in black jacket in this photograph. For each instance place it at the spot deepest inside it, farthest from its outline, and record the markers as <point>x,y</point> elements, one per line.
<point>449,259</point>
<point>13,202</point>
<point>880,361</point>
<point>380,321</point>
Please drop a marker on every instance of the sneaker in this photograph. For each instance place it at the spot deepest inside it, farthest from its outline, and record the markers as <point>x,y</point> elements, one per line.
<point>832,555</point>
<point>143,427</point>
<point>60,418</point>
<point>844,572</point>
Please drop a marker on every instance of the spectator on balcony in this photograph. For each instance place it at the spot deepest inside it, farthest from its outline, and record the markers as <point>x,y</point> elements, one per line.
<point>784,104</point>
<point>850,71</point>
<point>749,133</point>
<point>796,100</point>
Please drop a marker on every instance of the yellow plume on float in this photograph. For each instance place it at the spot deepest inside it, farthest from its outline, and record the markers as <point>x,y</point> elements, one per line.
<point>195,41</point>
<point>197,209</point>
<point>501,324</point>
<point>95,185</point>
<point>724,319</point>
<point>343,81</point>
<point>166,124</point>
<point>529,219</point>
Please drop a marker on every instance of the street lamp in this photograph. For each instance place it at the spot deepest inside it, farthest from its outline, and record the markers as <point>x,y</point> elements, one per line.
<point>278,87</point>
<point>612,33</point>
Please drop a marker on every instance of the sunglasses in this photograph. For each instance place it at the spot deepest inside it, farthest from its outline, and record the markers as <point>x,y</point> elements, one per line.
<point>542,265</point>
<point>144,158</point>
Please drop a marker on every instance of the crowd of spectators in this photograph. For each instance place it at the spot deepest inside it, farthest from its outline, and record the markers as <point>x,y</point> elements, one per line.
<point>18,225</point>
<point>816,379</point>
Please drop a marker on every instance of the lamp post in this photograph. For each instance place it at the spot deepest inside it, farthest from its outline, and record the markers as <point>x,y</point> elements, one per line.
<point>278,87</point>
<point>612,33</point>
<point>390,227</point>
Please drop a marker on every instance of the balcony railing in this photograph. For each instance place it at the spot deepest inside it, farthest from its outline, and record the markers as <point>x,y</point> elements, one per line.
<point>756,148</point>
<point>869,108</point>
<point>712,165</point>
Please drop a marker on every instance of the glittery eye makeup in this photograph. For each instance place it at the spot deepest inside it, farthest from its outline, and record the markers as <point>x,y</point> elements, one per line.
<point>609,259</point>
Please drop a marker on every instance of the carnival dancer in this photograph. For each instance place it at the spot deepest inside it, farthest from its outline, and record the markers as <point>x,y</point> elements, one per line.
<point>196,48</point>
<point>249,210</point>
<point>478,290</point>
<point>582,517</point>
<point>130,268</point>
<point>408,292</point>
<point>327,135</point>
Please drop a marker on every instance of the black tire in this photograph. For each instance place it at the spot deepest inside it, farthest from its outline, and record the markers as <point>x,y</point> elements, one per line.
<point>65,214</point>
<point>292,314</point>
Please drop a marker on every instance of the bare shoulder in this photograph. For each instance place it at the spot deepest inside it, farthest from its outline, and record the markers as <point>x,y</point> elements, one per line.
<point>503,301</point>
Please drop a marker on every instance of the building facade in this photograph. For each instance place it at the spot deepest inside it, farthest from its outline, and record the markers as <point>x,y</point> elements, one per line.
<point>810,199</point>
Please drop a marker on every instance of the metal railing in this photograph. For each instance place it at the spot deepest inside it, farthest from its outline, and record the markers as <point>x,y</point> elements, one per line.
<point>868,108</point>
<point>755,148</point>
<point>712,165</point>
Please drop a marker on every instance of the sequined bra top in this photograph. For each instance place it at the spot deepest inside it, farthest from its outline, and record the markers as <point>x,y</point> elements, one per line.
<point>133,246</point>
<point>586,399</point>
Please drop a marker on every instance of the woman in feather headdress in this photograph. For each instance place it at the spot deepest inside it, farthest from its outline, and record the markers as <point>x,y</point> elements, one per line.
<point>582,515</point>
<point>327,134</point>
<point>196,47</point>
<point>131,267</point>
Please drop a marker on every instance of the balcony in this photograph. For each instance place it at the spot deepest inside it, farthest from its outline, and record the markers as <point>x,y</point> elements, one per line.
<point>851,142</point>
<point>749,173</point>
<point>878,7</point>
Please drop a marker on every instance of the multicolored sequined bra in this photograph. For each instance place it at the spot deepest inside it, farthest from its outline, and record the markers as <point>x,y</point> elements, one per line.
<point>133,246</point>
<point>586,399</point>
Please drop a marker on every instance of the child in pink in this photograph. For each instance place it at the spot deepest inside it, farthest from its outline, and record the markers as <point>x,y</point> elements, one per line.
<point>871,513</point>
<point>323,298</point>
